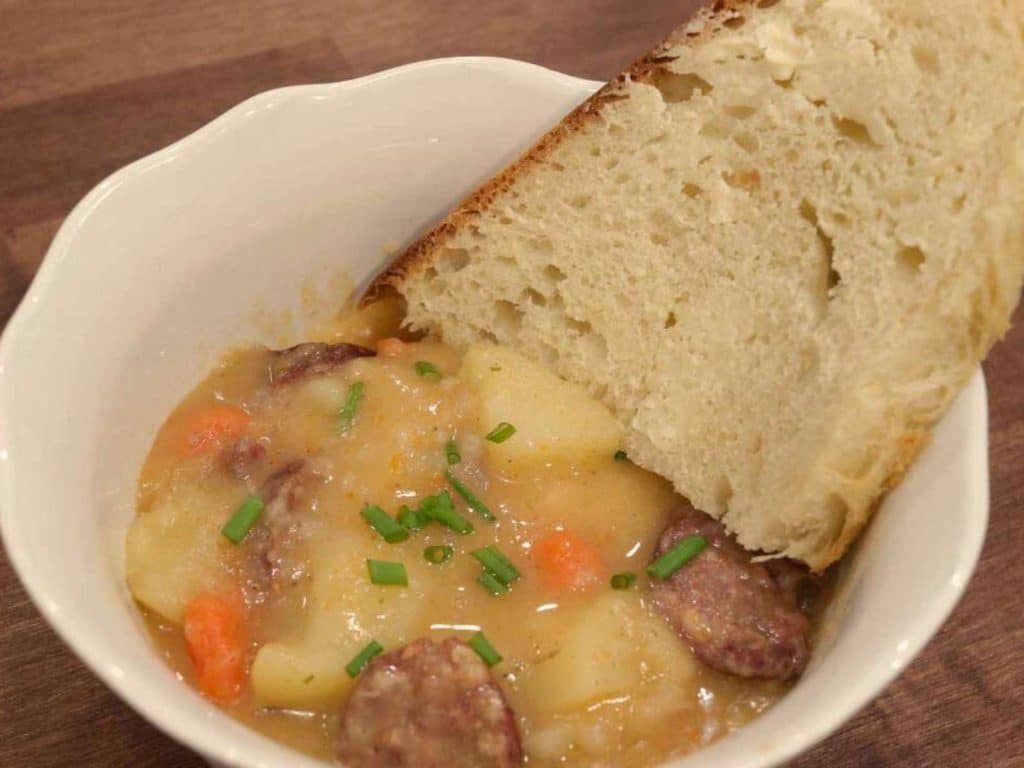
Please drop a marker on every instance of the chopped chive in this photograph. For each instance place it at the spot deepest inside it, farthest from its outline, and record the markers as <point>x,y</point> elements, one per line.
<point>348,411</point>
<point>436,555</point>
<point>492,583</point>
<point>484,649</point>
<point>501,433</point>
<point>364,657</point>
<point>387,574</point>
<point>451,453</point>
<point>391,531</point>
<point>411,519</point>
<point>474,503</point>
<point>496,563</point>
<point>620,456</point>
<point>429,370</point>
<point>682,553</point>
<point>623,580</point>
<point>245,517</point>
<point>441,509</point>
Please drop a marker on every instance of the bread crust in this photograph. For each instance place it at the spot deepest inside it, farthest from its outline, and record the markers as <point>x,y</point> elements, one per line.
<point>701,27</point>
<point>839,488</point>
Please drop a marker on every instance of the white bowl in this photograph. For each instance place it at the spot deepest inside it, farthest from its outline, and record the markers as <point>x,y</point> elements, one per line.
<point>209,241</point>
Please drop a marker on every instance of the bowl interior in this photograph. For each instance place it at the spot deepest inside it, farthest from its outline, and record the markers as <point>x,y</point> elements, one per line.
<point>246,231</point>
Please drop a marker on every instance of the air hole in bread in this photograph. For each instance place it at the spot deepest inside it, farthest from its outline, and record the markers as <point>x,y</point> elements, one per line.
<point>579,326</point>
<point>926,59</point>
<point>621,178</point>
<point>746,141</point>
<point>556,167</point>
<point>739,111</point>
<point>767,3</point>
<point>691,190</point>
<point>452,260</point>
<point>580,201</point>
<point>854,131</point>
<point>670,320</point>
<point>735,22</point>
<point>910,257</point>
<point>433,284</point>
<point>827,246</point>
<point>748,178</point>
<point>508,319</point>
<point>553,273</point>
<point>611,163</point>
<point>676,87</point>
<point>658,238</point>
<point>534,297</point>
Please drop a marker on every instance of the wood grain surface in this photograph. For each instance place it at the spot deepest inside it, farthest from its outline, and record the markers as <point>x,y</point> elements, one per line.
<point>88,86</point>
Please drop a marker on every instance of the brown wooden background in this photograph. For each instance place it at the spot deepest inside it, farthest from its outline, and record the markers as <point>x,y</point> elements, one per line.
<point>88,86</point>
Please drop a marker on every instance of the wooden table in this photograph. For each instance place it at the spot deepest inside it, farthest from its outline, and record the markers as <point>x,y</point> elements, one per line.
<point>87,86</point>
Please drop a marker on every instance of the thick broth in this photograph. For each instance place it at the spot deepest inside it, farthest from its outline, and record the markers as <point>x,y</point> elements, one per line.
<point>594,677</point>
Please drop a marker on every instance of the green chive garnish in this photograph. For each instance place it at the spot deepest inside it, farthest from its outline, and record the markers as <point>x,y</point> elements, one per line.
<point>387,574</point>
<point>245,517</point>
<point>348,411</point>
<point>682,553</point>
<point>429,370</point>
<point>451,453</point>
<point>496,563</point>
<point>441,509</point>
<point>474,503</point>
<point>620,456</point>
<point>436,555</point>
<point>364,657</point>
<point>484,649</point>
<point>391,531</point>
<point>492,583</point>
<point>501,433</point>
<point>623,580</point>
<point>411,519</point>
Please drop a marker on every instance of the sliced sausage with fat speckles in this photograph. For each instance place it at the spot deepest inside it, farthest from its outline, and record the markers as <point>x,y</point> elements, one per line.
<point>428,705</point>
<point>738,616</point>
<point>311,359</point>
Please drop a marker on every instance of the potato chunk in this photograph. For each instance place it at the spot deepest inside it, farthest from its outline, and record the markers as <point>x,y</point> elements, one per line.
<point>615,646</point>
<point>345,612</point>
<point>554,419</point>
<point>175,550</point>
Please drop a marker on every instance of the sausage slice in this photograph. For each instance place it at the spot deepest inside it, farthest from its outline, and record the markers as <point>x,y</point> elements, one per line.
<point>312,359</point>
<point>737,616</point>
<point>275,558</point>
<point>428,705</point>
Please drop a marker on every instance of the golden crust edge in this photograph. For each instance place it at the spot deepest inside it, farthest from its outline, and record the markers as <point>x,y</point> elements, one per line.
<point>420,252</point>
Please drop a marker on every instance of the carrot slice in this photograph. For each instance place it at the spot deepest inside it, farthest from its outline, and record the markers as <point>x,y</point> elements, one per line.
<point>391,347</point>
<point>212,426</point>
<point>566,562</point>
<point>216,641</point>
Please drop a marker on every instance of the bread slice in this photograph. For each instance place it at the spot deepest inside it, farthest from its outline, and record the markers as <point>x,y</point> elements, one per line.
<point>776,247</point>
